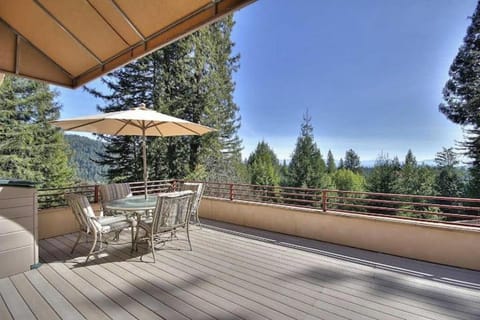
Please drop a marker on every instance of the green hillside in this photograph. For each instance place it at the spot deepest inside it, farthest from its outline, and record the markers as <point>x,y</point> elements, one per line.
<point>83,151</point>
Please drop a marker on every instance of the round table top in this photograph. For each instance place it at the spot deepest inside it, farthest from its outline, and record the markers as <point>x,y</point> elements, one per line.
<point>134,203</point>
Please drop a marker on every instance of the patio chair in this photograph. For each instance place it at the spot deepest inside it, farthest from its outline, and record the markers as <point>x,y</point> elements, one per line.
<point>113,191</point>
<point>198,189</point>
<point>171,214</point>
<point>93,225</point>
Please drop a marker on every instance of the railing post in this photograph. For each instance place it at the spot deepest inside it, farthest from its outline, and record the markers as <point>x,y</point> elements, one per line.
<point>324,200</point>
<point>95,194</point>
<point>231,191</point>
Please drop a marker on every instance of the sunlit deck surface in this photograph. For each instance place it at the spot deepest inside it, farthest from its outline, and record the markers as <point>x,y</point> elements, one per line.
<point>237,273</point>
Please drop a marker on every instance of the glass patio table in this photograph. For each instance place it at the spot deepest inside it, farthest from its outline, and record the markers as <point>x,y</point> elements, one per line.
<point>133,206</point>
<point>136,205</point>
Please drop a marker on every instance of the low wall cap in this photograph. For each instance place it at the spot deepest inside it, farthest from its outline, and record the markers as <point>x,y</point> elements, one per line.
<point>17,183</point>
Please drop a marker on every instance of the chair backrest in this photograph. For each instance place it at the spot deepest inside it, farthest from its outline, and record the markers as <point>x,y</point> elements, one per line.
<point>172,210</point>
<point>82,210</point>
<point>114,191</point>
<point>198,189</point>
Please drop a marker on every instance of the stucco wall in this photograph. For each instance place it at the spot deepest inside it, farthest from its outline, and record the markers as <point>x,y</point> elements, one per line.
<point>58,221</point>
<point>439,243</point>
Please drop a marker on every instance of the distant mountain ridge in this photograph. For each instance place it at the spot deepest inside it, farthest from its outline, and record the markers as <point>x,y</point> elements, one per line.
<point>83,151</point>
<point>371,163</point>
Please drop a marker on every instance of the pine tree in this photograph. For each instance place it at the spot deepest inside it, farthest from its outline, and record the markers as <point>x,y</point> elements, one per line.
<point>16,138</point>
<point>384,175</point>
<point>461,96</point>
<point>449,181</point>
<point>284,174</point>
<point>30,147</point>
<point>215,64</point>
<point>264,166</point>
<point>331,167</point>
<point>352,161</point>
<point>128,88</point>
<point>446,158</point>
<point>307,168</point>
<point>414,179</point>
<point>190,79</point>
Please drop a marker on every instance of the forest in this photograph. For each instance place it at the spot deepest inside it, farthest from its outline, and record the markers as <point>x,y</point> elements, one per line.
<point>193,79</point>
<point>308,168</point>
<point>83,158</point>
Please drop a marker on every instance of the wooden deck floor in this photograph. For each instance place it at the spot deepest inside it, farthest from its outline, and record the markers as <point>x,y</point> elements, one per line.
<point>237,273</point>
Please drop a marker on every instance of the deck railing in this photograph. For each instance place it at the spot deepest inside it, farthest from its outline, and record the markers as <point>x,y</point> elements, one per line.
<point>460,211</point>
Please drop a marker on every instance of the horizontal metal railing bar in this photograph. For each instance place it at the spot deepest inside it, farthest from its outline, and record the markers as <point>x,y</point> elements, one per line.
<point>425,204</point>
<point>72,187</point>
<point>51,193</point>
<point>442,214</point>
<point>255,185</point>
<point>280,199</point>
<point>399,195</point>
<point>280,192</point>
<point>274,192</point>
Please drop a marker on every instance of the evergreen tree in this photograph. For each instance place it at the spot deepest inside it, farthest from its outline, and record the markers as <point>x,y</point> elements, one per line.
<point>348,180</point>
<point>446,158</point>
<point>263,166</point>
<point>449,181</point>
<point>384,175</point>
<point>414,179</point>
<point>30,147</point>
<point>284,174</point>
<point>190,79</point>
<point>307,168</point>
<point>215,65</point>
<point>461,96</point>
<point>128,88</point>
<point>331,167</point>
<point>341,165</point>
<point>352,161</point>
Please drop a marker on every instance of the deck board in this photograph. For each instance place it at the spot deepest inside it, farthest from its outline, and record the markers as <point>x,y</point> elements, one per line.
<point>192,284</point>
<point>236,273</point>
<point>14,302</point>
<point>310,275</point>
<point>4,313</point>
<point>35,301</point>
<point>365,279</point>
<point>249,279</point>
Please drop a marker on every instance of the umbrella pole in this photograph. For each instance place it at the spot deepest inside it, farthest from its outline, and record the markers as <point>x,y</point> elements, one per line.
<point>145,174</point>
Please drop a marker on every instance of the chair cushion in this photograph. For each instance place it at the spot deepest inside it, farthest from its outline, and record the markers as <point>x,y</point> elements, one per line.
<point>113,223</point>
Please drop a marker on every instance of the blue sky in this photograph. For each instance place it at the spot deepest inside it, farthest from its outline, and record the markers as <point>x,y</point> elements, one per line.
<point>369,72</point>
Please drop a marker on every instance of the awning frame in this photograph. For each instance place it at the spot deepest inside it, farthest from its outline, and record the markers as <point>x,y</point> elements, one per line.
<point>56,74</point>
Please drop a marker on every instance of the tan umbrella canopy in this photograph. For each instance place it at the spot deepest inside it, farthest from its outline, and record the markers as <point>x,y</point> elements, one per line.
<point>70,42</point>
<point>134,122</point>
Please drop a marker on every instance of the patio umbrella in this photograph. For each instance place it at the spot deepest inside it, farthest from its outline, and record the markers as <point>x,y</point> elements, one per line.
<point>139,121</point>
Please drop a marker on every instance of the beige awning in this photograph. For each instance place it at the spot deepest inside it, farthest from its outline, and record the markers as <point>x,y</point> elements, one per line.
<point>70,42</point>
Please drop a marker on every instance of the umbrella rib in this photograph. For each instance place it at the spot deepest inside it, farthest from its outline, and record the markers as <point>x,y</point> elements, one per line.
<point>151,124</point>
<point>191,130</point>
<point>161,134</point>
<point>83,125</point>
<point>125,123</point>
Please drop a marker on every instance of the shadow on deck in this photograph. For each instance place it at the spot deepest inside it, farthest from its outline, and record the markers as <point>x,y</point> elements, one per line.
<point>237,273</point>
